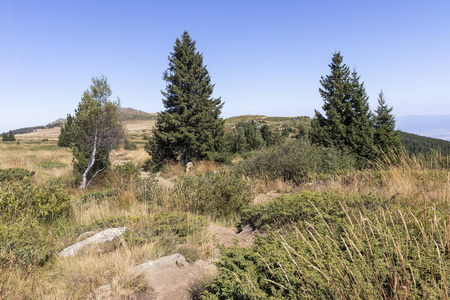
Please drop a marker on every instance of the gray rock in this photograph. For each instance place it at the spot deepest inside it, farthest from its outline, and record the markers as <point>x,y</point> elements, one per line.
<point>168,278</point>
<point>107,235</point>
<point>175,260</point>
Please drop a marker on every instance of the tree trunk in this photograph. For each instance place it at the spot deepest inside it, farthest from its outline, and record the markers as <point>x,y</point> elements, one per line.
<point>91,163</point>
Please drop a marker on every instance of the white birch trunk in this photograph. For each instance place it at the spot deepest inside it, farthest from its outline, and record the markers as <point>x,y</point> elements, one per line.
<point>91,162</point>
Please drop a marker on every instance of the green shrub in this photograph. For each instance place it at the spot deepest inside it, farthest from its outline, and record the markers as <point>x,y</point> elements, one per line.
<point>128,145</point>
<point>25,200</point>
<point>14,174</point>
<point>25,242</point>
<point>219,194</point>
<point>367,249</point>
<point>128,170</point>
<point>52,164</point>
<point>296,160</point>
<point>97,196</point>
<point>306,206</point>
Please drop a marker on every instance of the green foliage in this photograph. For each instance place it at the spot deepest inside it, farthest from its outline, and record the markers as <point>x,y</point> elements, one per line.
<point>97,196</point>
<point>386,137</point>
<point>251,135</point>
<point>8,137</point>
<point>14,174</point>
<point>25,200</point>
<point>180,225</point>
<point>128,145</point>
<point>310,207</point>
<point>347,124</point>
<point>128,170</point>
<point>96,129</point>
<point>416,144</point>
<point>220,194</point>
<point>51,165</point>
<point>190,126</point>
<point>338,247</point>
<point>296,160</point>
<point>66,137</point>
<point>25,242</point>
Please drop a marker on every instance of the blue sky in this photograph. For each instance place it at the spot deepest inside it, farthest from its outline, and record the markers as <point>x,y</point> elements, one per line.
<point>265,57</point>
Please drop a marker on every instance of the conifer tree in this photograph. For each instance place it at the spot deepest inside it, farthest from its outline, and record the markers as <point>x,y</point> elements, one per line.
<point>360,128</point>
<point>386,137</point>
<point>347,121</point>
<point>4,137</point>
<point>11,136</point>
<point>190,127</point>
<point>330,130</point>
<point>65,138</point>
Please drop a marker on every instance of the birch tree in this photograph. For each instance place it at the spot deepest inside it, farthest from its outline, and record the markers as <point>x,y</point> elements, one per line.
<point>96,130</point>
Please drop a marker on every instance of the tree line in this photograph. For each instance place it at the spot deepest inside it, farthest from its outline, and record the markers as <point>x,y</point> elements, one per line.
<point>190,128</point>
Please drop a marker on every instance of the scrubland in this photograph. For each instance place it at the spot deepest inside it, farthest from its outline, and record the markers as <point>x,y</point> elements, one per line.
<point>331,232</point>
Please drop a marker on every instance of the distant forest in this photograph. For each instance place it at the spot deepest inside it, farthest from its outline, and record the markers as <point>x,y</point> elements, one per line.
<point>416,144</point>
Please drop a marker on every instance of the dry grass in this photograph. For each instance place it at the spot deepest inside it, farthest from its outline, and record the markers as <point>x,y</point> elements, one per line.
<point>45,158</point>
<point>409,179</point>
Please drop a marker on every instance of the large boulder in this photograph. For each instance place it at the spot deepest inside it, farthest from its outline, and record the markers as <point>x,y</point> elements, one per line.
<point>107,235</point>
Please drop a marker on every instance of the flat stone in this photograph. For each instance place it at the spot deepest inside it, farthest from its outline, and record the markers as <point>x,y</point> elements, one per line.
<point>107,235</point>
<point>175,260</point>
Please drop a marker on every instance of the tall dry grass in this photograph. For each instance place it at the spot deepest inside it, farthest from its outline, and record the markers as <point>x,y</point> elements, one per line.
<point>45,158</point>
<point>410,179</point>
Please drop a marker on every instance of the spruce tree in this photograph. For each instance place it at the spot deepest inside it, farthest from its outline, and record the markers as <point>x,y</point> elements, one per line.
<point>386,137</point>
<point>347,121</point>
<point>190,127</point>
<point>4,137</point>
<point>11,136</point>
<point>65,138</point>
<point>360,128</point>
<point>330,130</point>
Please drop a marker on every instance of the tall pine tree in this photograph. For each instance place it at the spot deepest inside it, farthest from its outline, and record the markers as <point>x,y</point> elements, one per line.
<point>346,124</point>
<point>386,137</point>
<point>190,127</point>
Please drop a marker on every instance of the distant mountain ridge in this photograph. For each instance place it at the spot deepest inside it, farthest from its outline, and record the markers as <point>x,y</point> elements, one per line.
<point>126,114</point>
<point>419,134</point>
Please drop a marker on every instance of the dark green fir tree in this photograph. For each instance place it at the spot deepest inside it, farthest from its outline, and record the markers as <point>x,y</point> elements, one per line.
<point>11,136</point>
<point>190,128</point>
<point>65,138</point>
<point>360,130</point>
<point>347,121</point>
<point>330,130</point>
<point>386,137</point>
<point>4,137</point>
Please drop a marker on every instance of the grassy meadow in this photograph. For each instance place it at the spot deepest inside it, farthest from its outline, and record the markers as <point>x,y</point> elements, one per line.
<point>327,230</point>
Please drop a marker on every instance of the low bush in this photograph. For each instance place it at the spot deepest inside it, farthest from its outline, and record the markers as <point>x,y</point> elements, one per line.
<point>97,196</point>
<point>297,161</point>
<point>25,242</point>
<point>128,170</point>
<point>308,207</point>
<point>219,194</point>
<point>52,164</point>
<point>128,145</point>
<point>14,174</point>
<point>25,200</point>
<point>379,252</point>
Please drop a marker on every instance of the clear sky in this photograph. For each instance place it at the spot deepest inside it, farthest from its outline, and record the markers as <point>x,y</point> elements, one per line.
<point>265,57</point>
